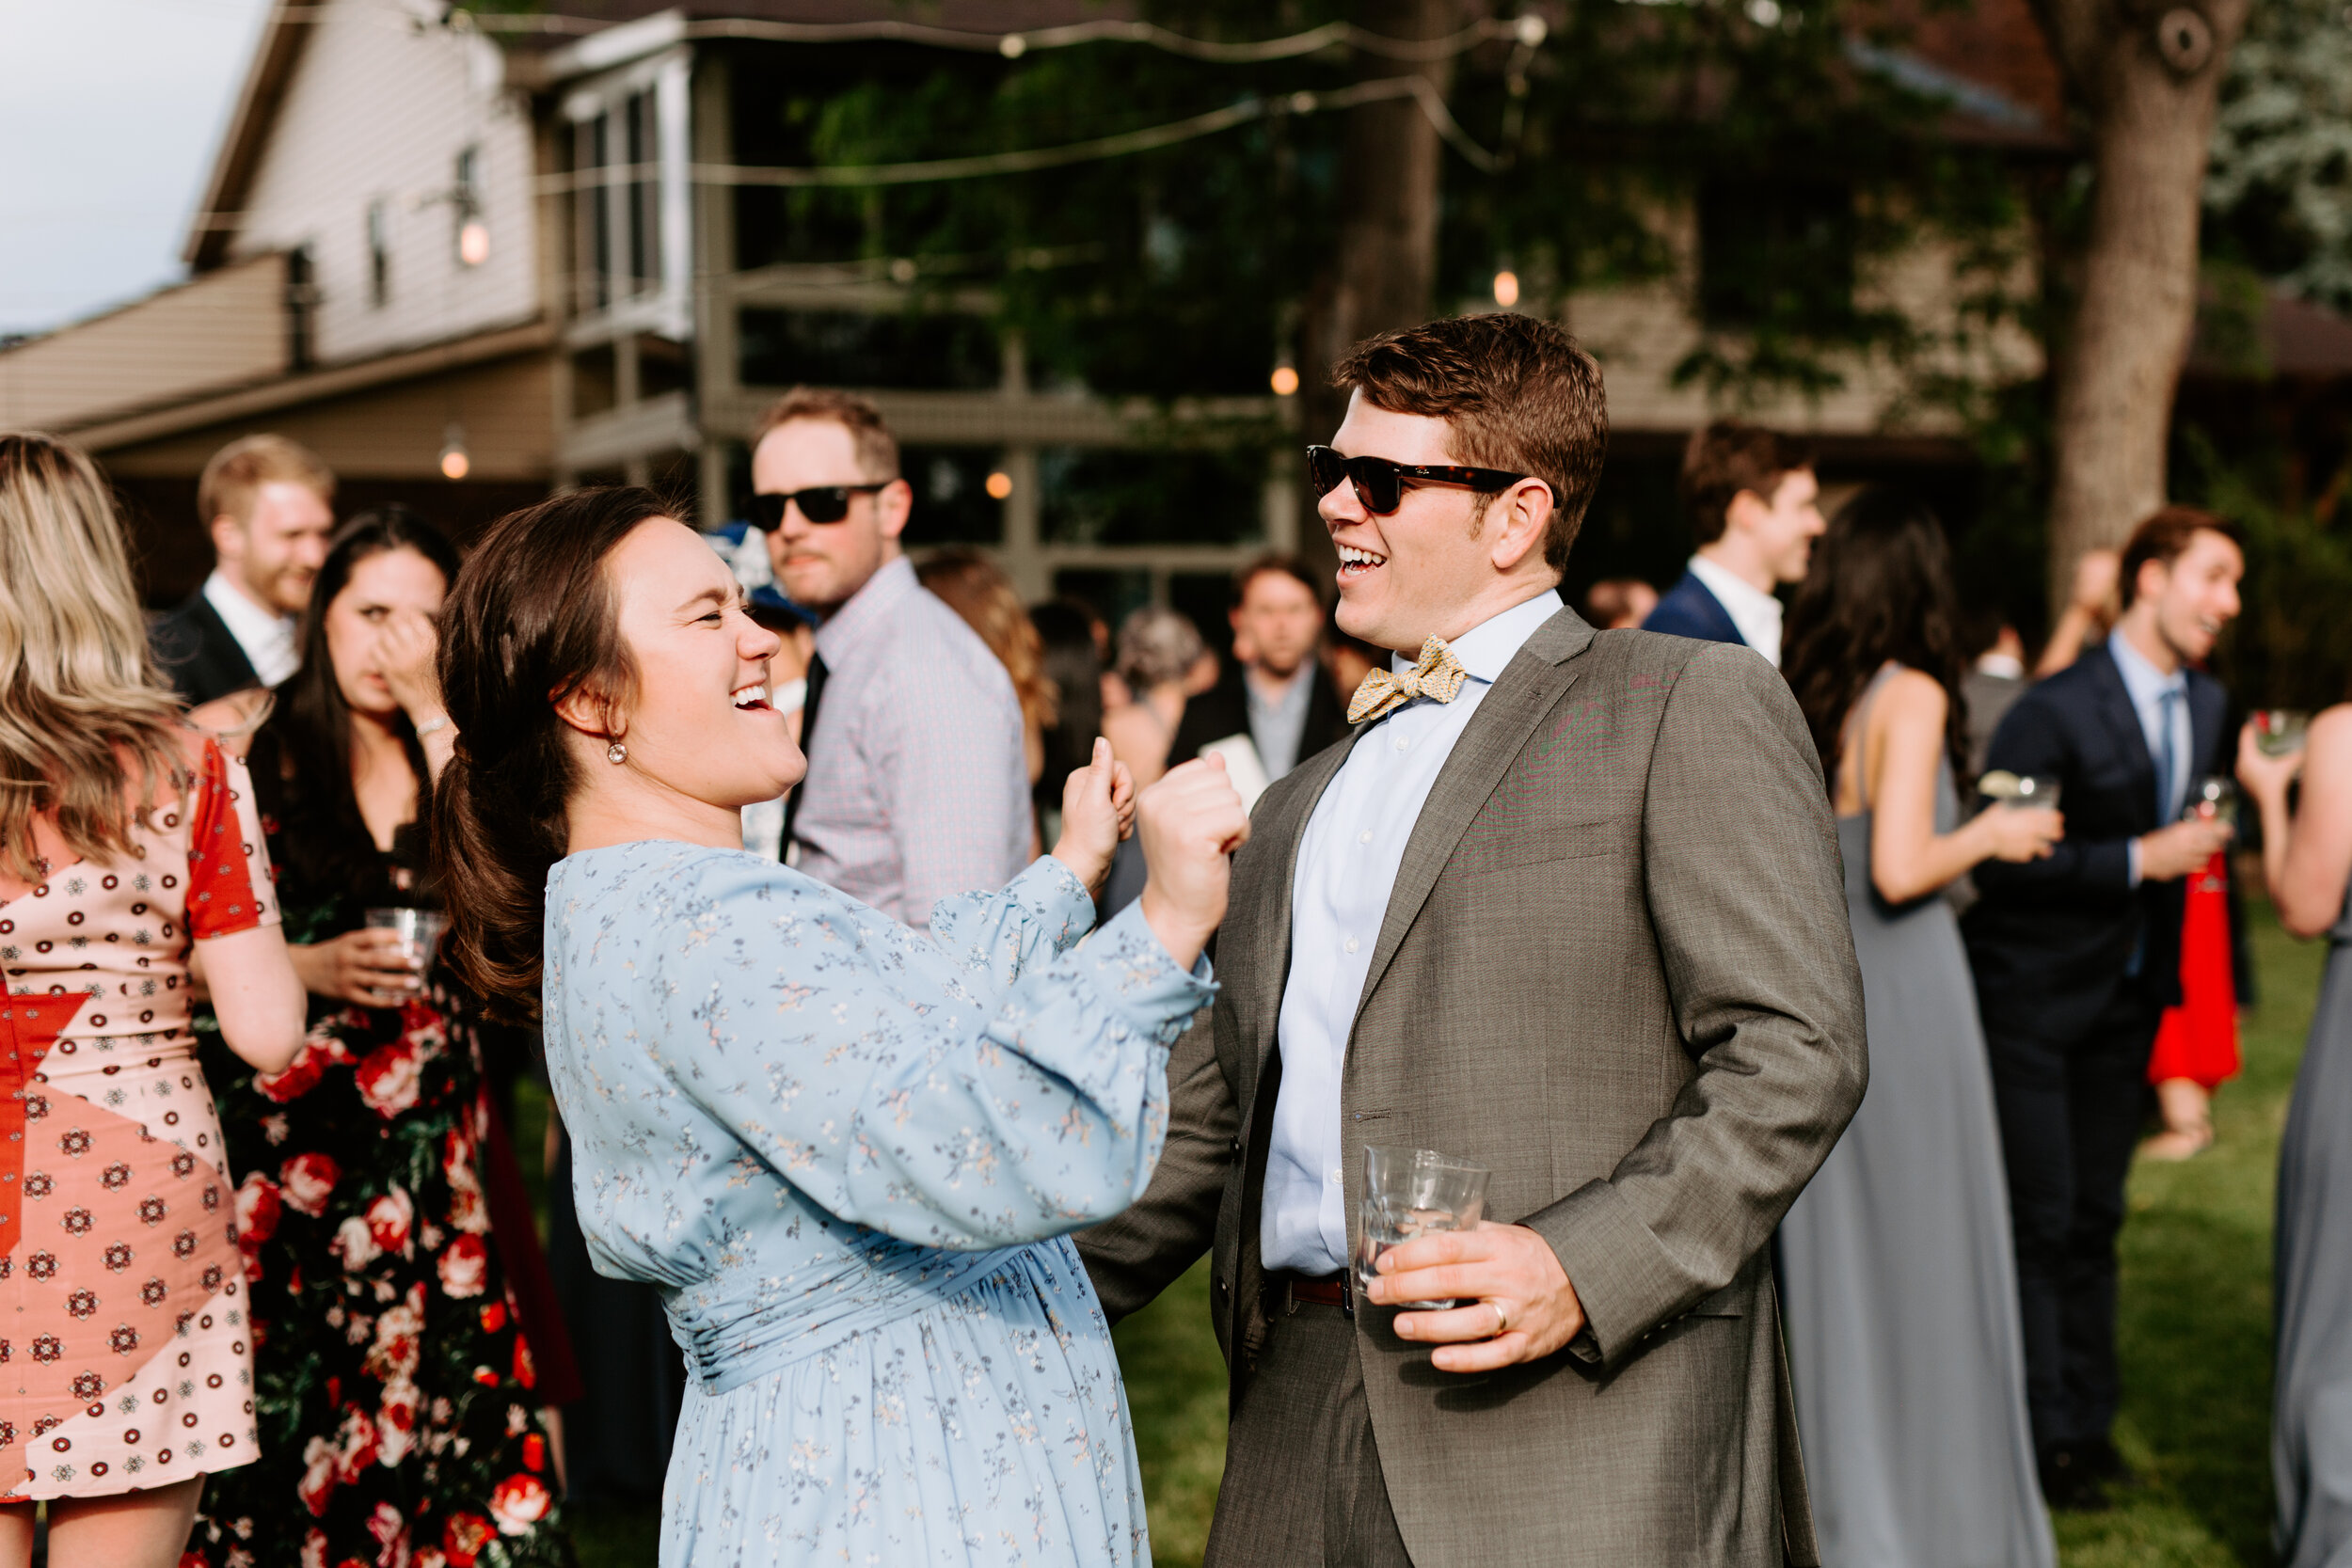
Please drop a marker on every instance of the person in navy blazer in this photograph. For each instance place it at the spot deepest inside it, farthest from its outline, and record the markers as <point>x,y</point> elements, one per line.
<point>1754,513</point>
<point>2077,956</point>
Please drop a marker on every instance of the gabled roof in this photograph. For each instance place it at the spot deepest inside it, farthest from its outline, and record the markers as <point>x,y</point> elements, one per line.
<point>283,36</point>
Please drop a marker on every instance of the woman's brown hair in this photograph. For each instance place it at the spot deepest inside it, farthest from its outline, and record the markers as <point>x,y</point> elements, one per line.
<point>1881,588</point>
<point>531,621</point>
<point>82,711</point>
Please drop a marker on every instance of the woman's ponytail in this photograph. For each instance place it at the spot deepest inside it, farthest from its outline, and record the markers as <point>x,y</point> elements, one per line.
<point>530,620</point>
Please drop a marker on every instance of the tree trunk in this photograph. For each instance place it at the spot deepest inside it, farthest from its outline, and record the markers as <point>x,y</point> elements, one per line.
<point>2146,82</point>
<point>1384,257</point>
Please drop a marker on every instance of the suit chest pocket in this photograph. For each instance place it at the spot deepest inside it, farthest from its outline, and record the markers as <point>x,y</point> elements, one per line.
<point>1485,850</point>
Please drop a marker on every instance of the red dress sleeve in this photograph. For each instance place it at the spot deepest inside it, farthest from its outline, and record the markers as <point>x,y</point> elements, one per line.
<point>228,879</point>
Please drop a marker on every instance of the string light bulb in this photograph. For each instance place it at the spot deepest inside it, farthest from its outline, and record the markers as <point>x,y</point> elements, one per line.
<point>1506,288</point>
<point>1284,381</point>
<point>473,243</point>
<point>455,463</point>
<point>999,485</point>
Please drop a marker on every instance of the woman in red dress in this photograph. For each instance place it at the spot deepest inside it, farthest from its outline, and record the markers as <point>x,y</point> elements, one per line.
<point>126,842</point>
<point>2196,1050</point>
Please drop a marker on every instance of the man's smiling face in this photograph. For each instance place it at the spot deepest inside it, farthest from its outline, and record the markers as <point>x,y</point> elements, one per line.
<point>1418,572</point>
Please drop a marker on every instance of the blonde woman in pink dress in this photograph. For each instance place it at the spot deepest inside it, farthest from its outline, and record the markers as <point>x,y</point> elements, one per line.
<point>128,846</point>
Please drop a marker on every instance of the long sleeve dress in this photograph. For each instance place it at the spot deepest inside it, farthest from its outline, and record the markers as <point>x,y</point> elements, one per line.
<point>849,1154</point>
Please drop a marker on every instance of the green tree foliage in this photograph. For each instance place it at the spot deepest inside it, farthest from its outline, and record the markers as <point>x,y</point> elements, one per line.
<point>1183,271</point>
<point>2278,198</point>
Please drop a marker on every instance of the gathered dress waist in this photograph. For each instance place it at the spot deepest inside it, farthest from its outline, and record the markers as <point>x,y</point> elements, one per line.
<point>727,1351</point>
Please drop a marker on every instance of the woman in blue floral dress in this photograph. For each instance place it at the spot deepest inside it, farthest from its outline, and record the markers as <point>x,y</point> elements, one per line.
<point>849,1154</point>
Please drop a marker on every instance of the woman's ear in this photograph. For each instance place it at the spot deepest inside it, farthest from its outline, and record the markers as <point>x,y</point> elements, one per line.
<point>589,713</point>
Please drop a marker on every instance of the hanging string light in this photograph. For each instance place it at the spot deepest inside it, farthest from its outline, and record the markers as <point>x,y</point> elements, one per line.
<point>456,463</point>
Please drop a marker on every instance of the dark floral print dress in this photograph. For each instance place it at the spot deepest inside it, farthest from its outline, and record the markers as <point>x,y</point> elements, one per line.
<point>398,1398</point>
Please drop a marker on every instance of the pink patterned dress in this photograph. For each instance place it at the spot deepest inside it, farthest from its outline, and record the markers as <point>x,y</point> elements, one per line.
<point>125,1360</point>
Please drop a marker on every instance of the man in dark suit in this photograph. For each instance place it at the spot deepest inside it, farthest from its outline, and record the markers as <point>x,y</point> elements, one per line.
<point>1566,905</point>
<point>1754,513</point>
<point>2077,956</point>
<point>1273,691</point>
<point>269,506</point>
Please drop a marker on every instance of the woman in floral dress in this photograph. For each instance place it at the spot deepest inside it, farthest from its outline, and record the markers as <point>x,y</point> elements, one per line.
<point>849,1152</point>
<point>400,1401</point>
<point>125,842</point>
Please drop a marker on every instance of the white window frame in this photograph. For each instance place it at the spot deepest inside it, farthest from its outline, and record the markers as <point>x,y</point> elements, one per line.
<point>668,308</point>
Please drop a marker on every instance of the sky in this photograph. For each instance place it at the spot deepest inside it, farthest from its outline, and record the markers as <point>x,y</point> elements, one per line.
<point>110,113</point>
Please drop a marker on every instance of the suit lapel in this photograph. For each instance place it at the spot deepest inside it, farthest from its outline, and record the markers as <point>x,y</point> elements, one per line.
<point>1531,686</point>
<point>1281,828</point>
<point>2208,709</point>
<point>1727,628</point>
<point>2123,722</point>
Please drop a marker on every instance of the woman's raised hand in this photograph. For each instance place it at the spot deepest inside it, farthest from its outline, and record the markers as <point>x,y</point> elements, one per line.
<point>405,649</point>
<point>1098,809</point>
<point>1191,821</point>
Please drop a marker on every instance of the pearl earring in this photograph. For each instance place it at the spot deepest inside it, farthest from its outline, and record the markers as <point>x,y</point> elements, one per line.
<point>616,753</point>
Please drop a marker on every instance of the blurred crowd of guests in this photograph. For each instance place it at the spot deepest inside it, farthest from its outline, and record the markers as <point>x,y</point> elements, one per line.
<point>2038,874</point>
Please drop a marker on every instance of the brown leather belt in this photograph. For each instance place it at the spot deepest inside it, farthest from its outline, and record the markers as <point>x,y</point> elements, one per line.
<point>1331,1290</point>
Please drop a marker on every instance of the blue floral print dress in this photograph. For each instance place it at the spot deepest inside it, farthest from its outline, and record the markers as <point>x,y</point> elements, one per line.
<point>849,1154</point>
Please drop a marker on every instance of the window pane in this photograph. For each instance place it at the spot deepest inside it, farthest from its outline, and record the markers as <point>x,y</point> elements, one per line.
<point>952,505</point>
<point>644,221</point>
<point>1774,250</point>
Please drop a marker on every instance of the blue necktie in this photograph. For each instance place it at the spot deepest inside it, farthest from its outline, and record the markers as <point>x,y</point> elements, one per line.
<point>2167,756</point>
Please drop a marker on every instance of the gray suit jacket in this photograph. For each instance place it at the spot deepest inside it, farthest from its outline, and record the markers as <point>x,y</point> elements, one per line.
<point>1616,968</point>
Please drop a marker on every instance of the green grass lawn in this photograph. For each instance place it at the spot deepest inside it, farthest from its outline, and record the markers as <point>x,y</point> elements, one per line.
<point>2195,1340</point>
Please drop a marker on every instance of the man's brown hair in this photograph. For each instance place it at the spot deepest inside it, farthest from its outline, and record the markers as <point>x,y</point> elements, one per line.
<point>2165,536</point>
<point>1518,394</point>
<point>234,477</point>
<point>877,449</point>
<point>1276,560</point>
<point>1729,457</point>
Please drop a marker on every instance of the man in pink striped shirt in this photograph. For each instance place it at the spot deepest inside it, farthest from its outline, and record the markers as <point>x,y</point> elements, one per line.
<point>916,786</point>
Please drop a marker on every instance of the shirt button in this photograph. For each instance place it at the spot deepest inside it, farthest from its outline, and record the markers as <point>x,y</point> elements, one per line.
<point>1402,743</point>
<point>1365,837</point>
<point>1336,1177</point>
<point>1351,945</point>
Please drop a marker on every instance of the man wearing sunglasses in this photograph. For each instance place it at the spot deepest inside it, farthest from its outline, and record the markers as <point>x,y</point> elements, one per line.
<point>918,788</point>
<point>1565,905</point>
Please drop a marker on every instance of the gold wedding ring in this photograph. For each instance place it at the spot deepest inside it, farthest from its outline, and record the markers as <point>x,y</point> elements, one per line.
<point>1502,1319</point>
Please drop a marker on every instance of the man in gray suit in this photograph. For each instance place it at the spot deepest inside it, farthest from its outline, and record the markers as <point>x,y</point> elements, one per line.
<point>1566,904</point>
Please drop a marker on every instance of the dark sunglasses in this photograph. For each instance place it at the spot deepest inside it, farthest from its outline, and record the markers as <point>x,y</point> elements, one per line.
<point>1380,483</point>
<point>818,503</point>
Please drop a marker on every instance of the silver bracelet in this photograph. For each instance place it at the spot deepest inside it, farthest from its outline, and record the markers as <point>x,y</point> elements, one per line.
<point>432,724</point>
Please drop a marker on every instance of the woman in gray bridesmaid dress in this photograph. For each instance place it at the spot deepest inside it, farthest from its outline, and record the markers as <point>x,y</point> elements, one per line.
<point>1897,1276</point>
<point>2307,861</point>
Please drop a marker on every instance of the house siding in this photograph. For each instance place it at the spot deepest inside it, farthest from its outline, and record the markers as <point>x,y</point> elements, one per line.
<point>381,101</point>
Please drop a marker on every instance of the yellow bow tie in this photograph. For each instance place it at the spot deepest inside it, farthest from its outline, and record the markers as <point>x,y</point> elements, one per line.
<point>1437,675</point>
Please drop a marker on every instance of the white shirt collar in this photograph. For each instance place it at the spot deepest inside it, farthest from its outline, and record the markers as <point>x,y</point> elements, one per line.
<point>1755,612</point>
<point>268,640</point>
<point>1488,646</point>
<point>2143,680</point>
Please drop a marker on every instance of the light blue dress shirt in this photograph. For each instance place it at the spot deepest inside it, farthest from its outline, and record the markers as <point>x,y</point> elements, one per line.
<point>1348,864</point>
<point>2147,686</point>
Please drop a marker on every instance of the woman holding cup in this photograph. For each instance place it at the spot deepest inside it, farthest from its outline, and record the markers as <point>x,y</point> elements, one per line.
<point>849,1152</point>
<point>1896,1273</point>
<point>2307,862</point>
<point>378,1278</point>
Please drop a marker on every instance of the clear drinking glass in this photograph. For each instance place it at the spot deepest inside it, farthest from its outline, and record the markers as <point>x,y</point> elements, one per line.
<point>2211,799</point>
<point>420,929</point>
<point>2278,731</point>
<point>2026,791</point>
<point>1411,1193</point>
<point>2034,792</point>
